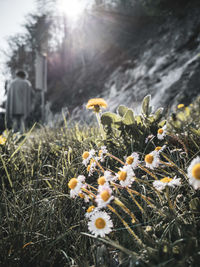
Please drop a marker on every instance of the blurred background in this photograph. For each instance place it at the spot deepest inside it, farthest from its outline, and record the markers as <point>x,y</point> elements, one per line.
<point>120,50</point>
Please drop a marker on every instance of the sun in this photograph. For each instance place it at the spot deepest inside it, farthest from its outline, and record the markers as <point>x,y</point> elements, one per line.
<point>72,8</point>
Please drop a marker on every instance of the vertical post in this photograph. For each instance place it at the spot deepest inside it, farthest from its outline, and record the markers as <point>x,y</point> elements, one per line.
<point>43,105</point>
<point>41,79</point>
<point>44,86</point>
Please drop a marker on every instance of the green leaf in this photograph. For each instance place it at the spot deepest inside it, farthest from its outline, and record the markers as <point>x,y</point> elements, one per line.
<point>128,118</point>
<point>122,110</point>
<point>146,109</point>
<point>158,114</point>
<point>162,123</point>
<point>108,118</point>
<point>138,119</point>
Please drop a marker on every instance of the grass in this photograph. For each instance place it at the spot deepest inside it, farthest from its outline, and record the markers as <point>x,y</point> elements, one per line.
<point>42,226</point>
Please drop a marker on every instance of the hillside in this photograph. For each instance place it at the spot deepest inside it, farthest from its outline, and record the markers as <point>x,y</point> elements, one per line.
<point>135,55</point>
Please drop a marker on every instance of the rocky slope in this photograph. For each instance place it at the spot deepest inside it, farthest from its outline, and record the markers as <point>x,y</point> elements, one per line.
<point>157,55</point>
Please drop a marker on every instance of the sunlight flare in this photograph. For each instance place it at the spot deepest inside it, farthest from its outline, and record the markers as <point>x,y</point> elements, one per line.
<point>72,9</point>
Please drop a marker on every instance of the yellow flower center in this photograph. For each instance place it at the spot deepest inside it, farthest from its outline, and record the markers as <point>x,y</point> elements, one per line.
<point>122,175</point>
<point>166,180</point>
<point>100,223</point>
<point>72,183</point>
<point>196,171</point>
<point>101,180</point>
<point>90,209</point>
<point>148,158</point>
<point>81,195</point>
<point>85,155</point>
<point>160,131</point>
<point>105,195</point>
<point>180,106</point>
<point>129,160</point>
<point>100,152</point>
<point>158,148</point>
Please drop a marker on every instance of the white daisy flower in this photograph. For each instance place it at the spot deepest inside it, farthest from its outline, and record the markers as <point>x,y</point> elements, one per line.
<point>194,173</point>
<point>102,153</point>
<point>105,196</point>
<point>133,160</point>
<point>161,184</point>
<point>75,184</point>
<point>161,133</point>
<point>105,180</point>
<point>87,155</point>
<point>100,224</point>
<point>152,160</point>
<point>92,166</point>
<point>126,176</point>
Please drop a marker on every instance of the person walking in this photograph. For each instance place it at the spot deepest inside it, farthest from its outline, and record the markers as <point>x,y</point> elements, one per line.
<point>18,104</point>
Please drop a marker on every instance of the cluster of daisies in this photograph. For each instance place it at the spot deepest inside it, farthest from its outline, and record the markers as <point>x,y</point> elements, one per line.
<point>99,221</point>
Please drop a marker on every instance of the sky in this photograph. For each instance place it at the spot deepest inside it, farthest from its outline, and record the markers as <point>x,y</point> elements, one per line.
<point>12,16</point>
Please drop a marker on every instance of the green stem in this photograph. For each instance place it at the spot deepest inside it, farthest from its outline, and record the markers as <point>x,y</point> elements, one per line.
<point>168,198</point>
<point>127,226</point>
<point>100,125</point>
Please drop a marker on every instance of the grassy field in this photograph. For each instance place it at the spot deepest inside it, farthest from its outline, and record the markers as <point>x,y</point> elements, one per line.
<point>153,215</point>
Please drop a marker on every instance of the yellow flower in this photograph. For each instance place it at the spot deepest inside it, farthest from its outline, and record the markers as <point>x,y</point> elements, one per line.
<point>85,155</point>
<point>72,183</point>
<point>152,159</point>
<point>133,160</point>
<point>196,171</point>
<point>2,140</point>
<point>126,175</point>
<point>158,148</point>
<point>96,104</point>
<point>105,195</point>
<point>129,160</point>
<point>75,185</point>
<point>122,175</point>
<point>149,158</point>
<point>166,180</point>
<point>101,180</point>
<point>161,133</point>
<point>180,106</point>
